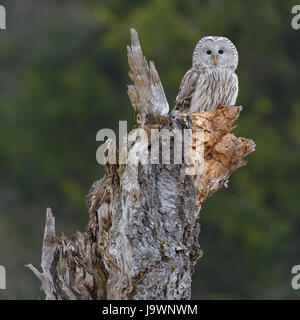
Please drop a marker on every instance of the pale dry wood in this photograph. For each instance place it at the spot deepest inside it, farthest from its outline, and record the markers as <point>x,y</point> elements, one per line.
<point>147,93</point>
<point>142,238</point>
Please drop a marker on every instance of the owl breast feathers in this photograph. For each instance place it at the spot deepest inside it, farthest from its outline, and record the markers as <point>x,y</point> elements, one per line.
<point>212,79</point>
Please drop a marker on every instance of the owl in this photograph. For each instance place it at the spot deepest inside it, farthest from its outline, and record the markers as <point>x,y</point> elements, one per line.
<point>212,79</point>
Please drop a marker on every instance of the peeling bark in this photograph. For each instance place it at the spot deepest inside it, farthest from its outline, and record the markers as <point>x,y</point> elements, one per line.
<point>142,238</point>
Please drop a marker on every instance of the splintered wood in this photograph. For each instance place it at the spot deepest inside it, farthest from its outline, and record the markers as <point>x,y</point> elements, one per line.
<point>223,151</point>
<point>141,241</point>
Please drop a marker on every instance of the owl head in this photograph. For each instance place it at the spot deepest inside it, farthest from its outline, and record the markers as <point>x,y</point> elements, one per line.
<point>211,52</point>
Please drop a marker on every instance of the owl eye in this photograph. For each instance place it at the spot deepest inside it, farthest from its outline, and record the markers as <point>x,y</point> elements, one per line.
<point>221,51</point>
<point>208,52</point>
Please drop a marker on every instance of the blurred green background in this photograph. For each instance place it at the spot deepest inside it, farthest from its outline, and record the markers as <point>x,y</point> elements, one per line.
<point>63,76</point>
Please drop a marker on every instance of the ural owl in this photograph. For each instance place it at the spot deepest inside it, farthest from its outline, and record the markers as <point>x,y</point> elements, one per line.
<point>211,80</point>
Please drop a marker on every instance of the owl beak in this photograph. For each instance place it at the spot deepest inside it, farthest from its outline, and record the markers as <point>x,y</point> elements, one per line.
<point>215,59</point>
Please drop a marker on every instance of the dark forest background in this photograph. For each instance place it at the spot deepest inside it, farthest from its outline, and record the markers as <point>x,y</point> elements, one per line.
<point>63,77</point>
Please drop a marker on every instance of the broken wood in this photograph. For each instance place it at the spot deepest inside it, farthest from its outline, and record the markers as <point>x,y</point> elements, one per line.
<point>142,238</point>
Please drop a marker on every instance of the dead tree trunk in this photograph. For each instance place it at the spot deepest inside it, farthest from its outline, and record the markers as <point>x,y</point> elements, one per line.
<point>142,238</point>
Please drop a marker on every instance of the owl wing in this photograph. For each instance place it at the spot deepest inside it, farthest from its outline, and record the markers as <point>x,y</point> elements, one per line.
<point>233,90</point>
<point>186,90</point>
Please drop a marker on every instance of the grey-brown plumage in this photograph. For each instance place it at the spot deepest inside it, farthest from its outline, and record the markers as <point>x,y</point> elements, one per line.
<point>212,79</point>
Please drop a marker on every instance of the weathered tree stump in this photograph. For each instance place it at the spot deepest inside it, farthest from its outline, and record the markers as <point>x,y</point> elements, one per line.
<point>142,238</point>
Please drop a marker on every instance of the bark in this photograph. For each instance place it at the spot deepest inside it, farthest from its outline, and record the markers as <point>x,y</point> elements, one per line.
<point>142,238</point>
